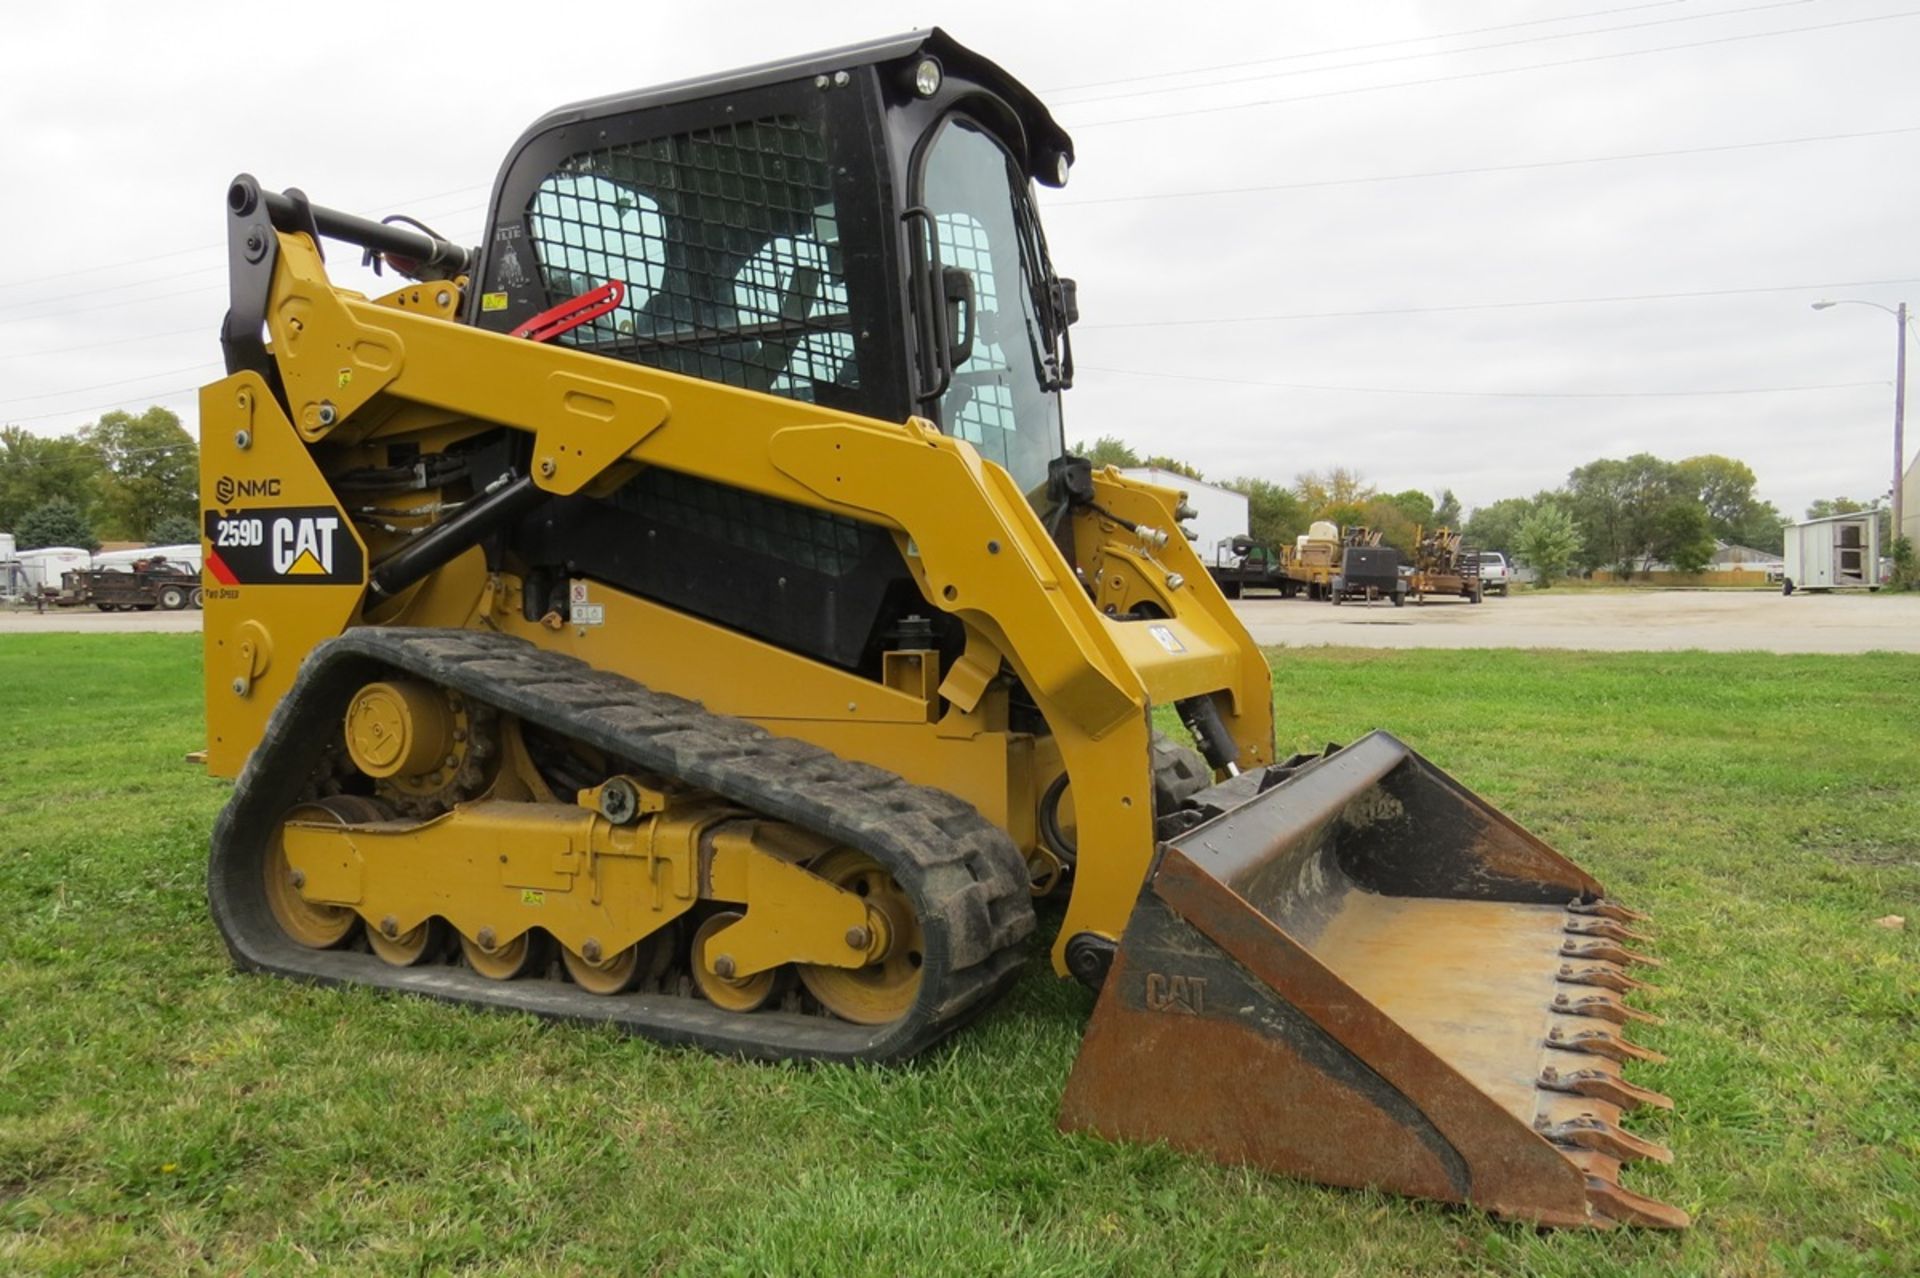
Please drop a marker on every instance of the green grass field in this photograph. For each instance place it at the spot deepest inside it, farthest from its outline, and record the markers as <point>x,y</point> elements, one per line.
<point>161,1115</point>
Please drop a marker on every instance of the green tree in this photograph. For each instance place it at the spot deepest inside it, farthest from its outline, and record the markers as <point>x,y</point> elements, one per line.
<point>1446,511</point>
<point>1415,505</point>
<point>1683,535</point>
<point>1826,506</point>
<point>1763,528</point>
<point>1176,466</point>
<point>35,469</point>
<point>1275,515</point>
<point>173,530</point>
<point>1722,485</point>
<point>1108,450</point>
<point>56,523</point>
<point>1618,506</point>
<point>1321,491</point>
<point>1347,514</point>
<point>1725,487</point>
<point>1547,541</point>
<point>1497,527</point>
<point>152,469</point>
<point>1390,518</point>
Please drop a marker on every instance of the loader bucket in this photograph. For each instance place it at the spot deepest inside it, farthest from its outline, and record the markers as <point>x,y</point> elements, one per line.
<point>1365,975</point>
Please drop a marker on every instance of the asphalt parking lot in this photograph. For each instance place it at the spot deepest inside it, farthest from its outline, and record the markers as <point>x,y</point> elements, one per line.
<point>1606,620</point>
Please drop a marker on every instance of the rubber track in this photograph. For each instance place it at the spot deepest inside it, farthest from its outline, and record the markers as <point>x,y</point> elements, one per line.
<point>966,878</point>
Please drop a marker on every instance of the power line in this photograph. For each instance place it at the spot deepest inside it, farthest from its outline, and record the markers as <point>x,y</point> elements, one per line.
<point>209,248</point>
<point>1489,168</point>
<point>1498,306</point>
<point>154,279</point>
<point>1472,394</point>
<point>1360,48</point>
<point>151,397</point>
<point>1476,75</point>
<point>118,341</point>
<point>116,288</point>
<point>125,381</point>
<point>1441,53</point>
<point>128,301</point>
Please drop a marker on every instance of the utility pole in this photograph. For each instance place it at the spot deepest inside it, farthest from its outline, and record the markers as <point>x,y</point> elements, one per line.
<point>1899,416</point>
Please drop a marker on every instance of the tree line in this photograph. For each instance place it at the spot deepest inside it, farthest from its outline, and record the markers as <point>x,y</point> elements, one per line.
<point>1278,513</point>
<point>125,477</point>
<point>1617,514</point>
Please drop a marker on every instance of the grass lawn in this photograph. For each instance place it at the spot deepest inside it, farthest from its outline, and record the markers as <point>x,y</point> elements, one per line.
<point>161,1115</point>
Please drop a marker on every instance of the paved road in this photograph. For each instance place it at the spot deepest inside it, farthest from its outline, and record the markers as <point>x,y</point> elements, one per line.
<point>90,621</point>
<point>1611,621</point>
<point>1615,621</point>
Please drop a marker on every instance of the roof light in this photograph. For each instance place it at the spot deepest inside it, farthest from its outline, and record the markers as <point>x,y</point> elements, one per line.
<point>926,77</point>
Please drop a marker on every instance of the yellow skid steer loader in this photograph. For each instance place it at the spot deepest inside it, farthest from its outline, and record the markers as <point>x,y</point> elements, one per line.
<point>682,612</point>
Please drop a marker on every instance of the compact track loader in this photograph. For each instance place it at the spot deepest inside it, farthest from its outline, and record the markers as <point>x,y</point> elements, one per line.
<point>681,612</point>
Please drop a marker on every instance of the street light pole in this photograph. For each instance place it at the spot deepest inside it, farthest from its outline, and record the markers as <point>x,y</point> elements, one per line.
<point>1899,393</point>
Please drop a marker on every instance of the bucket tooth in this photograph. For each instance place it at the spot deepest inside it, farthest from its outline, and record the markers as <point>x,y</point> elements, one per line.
<point>1603,1007</point>
<point>1599,1084</point>
<point>1606,951</point>
<point>1607,910</point>
<point>1609,976</point>
<point>1607,928</point>
<point>1601,1042</point>
<point>1622,1206</point>
<point>1349,973</point>
<point>1590,1131</point>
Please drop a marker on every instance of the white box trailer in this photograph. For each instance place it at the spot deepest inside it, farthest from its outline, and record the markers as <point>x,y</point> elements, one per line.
<point>1219,514</point>
<point>185,557</point>
<point>1840,552</point>
<point>42,568</point>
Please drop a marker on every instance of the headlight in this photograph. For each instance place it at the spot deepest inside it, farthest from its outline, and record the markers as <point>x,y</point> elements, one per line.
<point>1061,163</point>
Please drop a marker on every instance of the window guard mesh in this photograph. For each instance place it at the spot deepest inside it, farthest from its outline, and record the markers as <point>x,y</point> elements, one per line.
<point>727,242</point>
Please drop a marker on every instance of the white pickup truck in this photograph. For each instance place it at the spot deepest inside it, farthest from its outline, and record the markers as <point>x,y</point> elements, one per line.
<point>1495,576</point>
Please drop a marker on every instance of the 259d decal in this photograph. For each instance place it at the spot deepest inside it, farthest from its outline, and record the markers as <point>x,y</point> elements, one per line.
<point>283,546</point>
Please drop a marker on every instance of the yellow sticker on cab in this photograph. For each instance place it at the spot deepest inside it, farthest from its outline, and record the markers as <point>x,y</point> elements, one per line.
<point>493,301</point>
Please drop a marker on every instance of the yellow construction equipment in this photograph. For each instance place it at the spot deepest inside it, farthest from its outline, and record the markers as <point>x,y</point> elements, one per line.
<point>681,612</point>
<point>1445,567</point>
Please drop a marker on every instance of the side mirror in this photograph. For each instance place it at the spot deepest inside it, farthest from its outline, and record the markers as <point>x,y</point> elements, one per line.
<point>956,285</point>
<point>1066,297</point>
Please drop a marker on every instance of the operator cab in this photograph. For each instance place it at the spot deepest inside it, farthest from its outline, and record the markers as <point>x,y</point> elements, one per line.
<point>853,228</point>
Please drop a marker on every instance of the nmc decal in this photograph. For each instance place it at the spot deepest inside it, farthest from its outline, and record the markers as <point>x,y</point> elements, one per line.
<point>283,546</point>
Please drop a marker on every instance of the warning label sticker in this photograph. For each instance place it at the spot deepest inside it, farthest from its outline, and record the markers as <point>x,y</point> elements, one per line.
<point>581,610</point>
<point>1167,639</point>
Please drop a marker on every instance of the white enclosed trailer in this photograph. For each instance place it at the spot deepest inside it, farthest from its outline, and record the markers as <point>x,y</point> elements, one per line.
<point>1219,514</point>
<point>1840,552</point>
<point>185,557</point>
<point>42,568</point>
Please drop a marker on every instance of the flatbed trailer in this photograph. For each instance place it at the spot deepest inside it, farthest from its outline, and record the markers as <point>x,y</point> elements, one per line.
<point>1252,567</point>
<point>165,587</point>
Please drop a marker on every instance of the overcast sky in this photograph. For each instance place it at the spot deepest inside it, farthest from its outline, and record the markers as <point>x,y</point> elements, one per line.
<point>123,123</point>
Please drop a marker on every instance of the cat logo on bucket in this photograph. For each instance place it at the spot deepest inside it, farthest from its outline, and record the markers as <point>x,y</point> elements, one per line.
<point>283,546</point>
